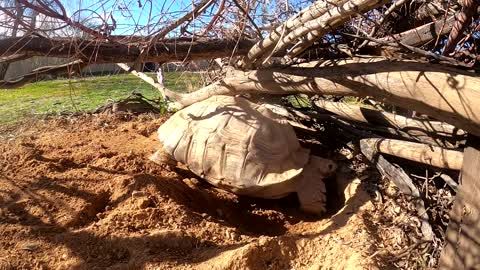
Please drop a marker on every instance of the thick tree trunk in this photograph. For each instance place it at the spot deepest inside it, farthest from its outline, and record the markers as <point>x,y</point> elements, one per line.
<point>94,51</point>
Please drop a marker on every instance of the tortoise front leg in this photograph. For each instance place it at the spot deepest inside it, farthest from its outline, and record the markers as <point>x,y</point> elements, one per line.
<point>311,194</point>
<point>162,158</point>
<point>311,188</point>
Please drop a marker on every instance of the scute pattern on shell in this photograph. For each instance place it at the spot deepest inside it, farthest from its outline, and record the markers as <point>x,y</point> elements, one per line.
<point>235,144</point>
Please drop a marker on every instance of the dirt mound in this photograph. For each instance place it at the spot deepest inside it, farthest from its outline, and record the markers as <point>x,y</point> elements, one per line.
<point>80,193</point>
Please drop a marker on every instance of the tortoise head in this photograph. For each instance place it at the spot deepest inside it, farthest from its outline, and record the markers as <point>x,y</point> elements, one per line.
<point>321,166</point>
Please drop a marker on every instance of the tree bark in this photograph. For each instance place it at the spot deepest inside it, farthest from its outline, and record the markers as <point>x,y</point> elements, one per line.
<point>418,152</point>
<point>422,34</point>
<point>462,249</point>
<point>263,48</point>
<point>95,51</point>
<point>370,116</point>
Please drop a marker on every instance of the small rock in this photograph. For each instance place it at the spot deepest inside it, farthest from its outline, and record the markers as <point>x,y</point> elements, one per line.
<point>137,194</point>
<point>64,256</point>
<point>346,153</point>
<point>232,235</point>
<point>143,203</point>
<point>108,208</point>
<point>191,182</point>
<point>30,246</point>
<point>140,216</point>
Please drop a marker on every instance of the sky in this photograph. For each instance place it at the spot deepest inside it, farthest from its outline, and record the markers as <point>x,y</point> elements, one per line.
<point>130,15</point>
<point>137,17</point>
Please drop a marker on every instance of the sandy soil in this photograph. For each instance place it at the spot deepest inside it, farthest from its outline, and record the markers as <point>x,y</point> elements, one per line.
<point>80,193</point>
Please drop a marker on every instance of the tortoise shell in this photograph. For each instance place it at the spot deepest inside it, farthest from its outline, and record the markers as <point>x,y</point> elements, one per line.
<point>237,145</point>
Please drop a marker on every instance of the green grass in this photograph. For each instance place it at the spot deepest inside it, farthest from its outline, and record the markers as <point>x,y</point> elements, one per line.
<point>81,95</point>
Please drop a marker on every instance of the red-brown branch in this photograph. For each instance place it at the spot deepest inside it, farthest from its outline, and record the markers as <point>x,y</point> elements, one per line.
<point>464,19</point>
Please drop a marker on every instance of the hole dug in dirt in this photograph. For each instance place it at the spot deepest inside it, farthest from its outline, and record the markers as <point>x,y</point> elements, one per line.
<point>90,211</point>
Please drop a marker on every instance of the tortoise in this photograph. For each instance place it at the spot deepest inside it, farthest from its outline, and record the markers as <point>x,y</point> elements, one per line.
<point>245,148</point>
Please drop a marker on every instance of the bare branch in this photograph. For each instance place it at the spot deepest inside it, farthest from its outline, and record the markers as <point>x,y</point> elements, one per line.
<point>265,46</point>
<point>464,18</point>
<point>165,92</point>
<point>315,29</point>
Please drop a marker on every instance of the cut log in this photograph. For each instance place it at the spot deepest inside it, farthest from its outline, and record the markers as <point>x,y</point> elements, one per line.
<point>402,181</point>
<point>370,116</point>
<point>462,249</point>
<point>448,94</point>
<point>422,34</point>
<point>426,154</point>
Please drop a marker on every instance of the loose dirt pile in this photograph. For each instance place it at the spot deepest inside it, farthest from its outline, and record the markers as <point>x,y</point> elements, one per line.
<point>80,193</point>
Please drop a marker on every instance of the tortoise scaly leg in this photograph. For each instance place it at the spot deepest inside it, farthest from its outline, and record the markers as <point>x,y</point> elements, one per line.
<point>162,158</point>
<point>311,189</point>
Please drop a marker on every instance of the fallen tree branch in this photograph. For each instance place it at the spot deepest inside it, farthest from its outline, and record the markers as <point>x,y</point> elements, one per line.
<point>263,48</point>
<point>449,181</point>
<point>315,29</point>
<point>370,116</point>
<point>426,154</point>
<point>95,51</point>
<point>13,58</point>
<point>434,8</point>
<point>421,34</point>
<point>448,94</point>
<point>449,60</point>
